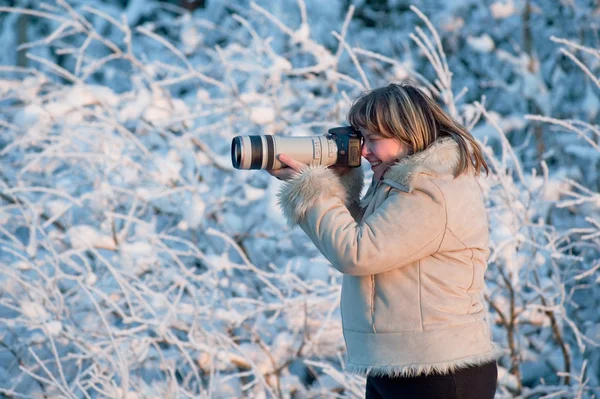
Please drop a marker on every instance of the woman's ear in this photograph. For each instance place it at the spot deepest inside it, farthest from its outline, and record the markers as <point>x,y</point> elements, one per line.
<point>406,149</point>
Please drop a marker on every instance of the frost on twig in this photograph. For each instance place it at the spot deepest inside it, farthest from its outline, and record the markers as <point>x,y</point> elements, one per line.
<point>137,263</point>
<point>131,263</point>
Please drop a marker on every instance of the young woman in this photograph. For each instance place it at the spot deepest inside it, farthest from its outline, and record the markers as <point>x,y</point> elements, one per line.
<point>413,251</point>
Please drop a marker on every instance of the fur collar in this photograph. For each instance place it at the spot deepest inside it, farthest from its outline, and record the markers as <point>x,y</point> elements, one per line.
<point>440,158</point>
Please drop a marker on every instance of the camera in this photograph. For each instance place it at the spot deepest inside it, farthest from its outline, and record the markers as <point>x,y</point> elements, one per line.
<point>341,146</point>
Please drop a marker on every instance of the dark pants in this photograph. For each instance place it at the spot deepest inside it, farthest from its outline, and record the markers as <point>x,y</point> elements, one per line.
<point>477,382</point>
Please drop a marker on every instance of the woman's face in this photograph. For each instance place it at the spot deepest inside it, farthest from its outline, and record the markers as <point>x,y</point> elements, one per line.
<point>381,151</point>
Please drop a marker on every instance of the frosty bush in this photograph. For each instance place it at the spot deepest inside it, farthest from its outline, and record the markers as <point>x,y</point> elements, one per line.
<point>134,262</point>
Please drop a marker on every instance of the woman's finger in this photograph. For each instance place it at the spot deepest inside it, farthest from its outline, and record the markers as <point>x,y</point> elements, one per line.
<point>291,162</point>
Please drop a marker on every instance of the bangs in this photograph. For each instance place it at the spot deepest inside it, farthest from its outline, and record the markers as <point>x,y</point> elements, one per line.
<point>372,112</point>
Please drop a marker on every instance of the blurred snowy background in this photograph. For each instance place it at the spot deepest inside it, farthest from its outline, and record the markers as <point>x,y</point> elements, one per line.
<point>136,263</point>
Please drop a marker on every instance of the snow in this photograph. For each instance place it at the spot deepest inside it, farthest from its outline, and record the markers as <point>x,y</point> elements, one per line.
<point>194,212</point>
<point>34,311</point>
<point>189,36</point>
<point>84,236</point>
<point>137,248</point>
<point>91,279</point>
<point>54,328</point>
<point>22,265</point>
<point>482,44</point>
<point>8,85</point>
<point>503,9</point>
<point>302,34</point>
<point>136,262</point>
<point>134,108</point>
<point>168,167</point>
<point>262,115</point>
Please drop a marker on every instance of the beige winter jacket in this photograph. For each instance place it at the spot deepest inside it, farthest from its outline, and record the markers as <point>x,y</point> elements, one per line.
<point>413,255</point>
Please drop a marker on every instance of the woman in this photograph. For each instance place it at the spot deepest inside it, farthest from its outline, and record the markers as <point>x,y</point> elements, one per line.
<point>413,251</point>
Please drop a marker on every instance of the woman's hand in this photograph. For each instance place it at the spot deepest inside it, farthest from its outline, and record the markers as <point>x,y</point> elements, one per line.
<point>293,169</point>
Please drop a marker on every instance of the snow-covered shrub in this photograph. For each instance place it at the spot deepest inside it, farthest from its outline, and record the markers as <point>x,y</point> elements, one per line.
<point>135,262</point>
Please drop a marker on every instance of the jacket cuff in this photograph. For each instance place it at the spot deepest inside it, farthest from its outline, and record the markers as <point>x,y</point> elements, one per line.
<point>300,193</point>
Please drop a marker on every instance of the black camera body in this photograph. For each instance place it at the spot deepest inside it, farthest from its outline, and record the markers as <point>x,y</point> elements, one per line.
<point>348,143</point>
<point>341,146</point>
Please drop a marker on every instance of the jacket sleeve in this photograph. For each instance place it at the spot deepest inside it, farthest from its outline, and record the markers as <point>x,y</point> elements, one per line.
<point>404,228</point>
<point>315,182</point>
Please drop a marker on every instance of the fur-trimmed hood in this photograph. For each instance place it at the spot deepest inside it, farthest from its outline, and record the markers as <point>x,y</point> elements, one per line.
<point>439,159</point>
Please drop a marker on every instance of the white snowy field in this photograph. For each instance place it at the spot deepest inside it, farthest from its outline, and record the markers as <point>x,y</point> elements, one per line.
<point>136,262</point>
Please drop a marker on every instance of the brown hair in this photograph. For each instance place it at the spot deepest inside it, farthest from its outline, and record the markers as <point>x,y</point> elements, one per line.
<point>404,112</point>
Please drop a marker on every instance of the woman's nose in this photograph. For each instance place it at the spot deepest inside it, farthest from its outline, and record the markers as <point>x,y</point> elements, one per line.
<point>364,151</point>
